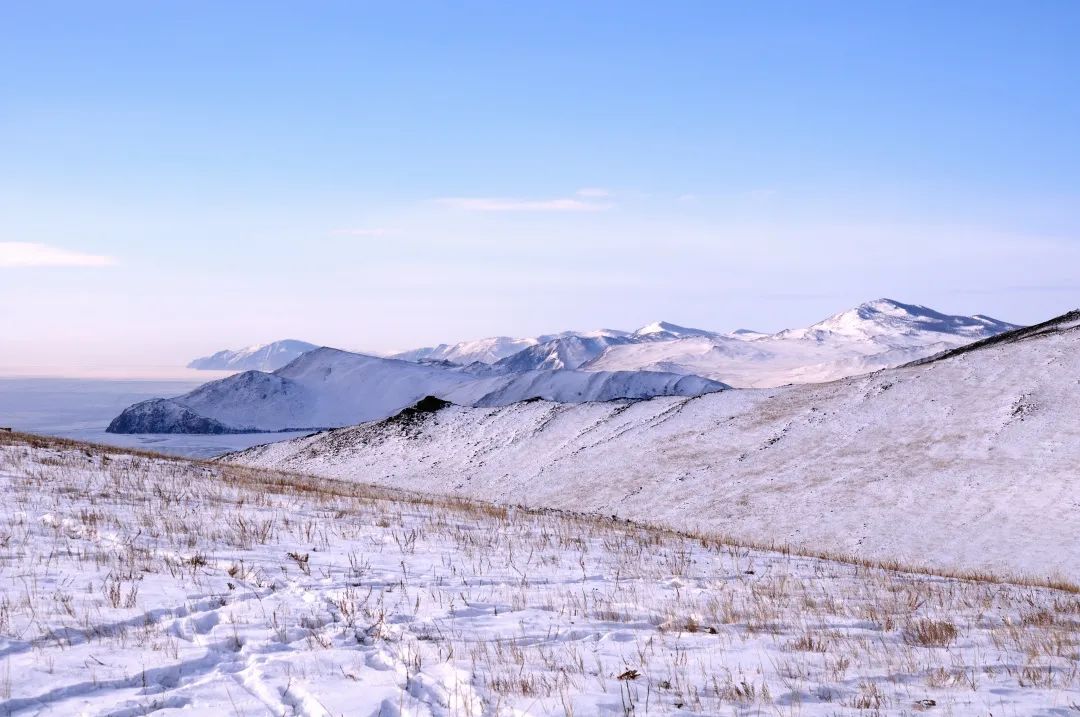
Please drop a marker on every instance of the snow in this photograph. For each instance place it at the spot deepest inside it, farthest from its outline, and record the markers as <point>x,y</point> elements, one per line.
<point>338,388</point>
<point>964,463</point>
<point>491,350</point>
<point>327,387</point>
<point>565,352</point>
<point>875,335</point>
<point>745,334</point>
<point>483,350</point>
<point>131,585</point>
<point>660,330</point>
<point>260,357</point>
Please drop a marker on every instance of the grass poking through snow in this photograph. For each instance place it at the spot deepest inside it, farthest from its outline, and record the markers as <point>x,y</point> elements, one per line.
<point>131,584</point>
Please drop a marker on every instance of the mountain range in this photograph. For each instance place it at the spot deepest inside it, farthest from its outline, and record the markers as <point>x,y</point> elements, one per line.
<point>964,459</point>
<point>327,387</point>
<point>323,387</point>
<point>261,357</point>
<point>871,336</point>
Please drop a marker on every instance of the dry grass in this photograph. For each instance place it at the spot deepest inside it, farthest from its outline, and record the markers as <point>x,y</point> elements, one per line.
<point>709,626</point>
<point>930,633</point>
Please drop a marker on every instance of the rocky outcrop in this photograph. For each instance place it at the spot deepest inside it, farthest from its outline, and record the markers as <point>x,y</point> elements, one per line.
<point>162,415</point>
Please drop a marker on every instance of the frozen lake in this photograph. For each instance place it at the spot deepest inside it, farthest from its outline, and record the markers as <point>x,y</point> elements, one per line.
<point>82,408</point>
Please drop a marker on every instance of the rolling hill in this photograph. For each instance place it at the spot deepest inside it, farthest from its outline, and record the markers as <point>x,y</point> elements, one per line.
<point>967,460</point>
<point>328,387</point>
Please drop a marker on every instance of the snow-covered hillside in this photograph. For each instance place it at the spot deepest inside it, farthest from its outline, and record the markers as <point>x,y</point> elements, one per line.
<point>563,352</point>
<point>663,330</point>
<point>483,350</point>
<point>493,349</point>
<point>262,357</point>
<point>327,387</point>
<point>336,388</point>
<point>875,335</point>
<point>970,461</point>
<point>133,585</point>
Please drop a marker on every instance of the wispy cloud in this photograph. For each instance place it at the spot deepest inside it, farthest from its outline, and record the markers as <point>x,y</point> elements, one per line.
<point>586,200</point>
<point>595,192</point>
<point>25,254</point>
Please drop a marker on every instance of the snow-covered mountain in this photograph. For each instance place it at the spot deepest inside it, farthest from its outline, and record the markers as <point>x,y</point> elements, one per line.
<point>564,352</point>
<point>328,387</point>
<point>261,357</point>
<point>663,330</point>
<point>967,460</point>
<point>660,358</point>
<point>895,324</point>
<point>745,334</point>
<point>487,350</point>
<point>577,350</point>
<point>875,335</point>
<point>495,348</point>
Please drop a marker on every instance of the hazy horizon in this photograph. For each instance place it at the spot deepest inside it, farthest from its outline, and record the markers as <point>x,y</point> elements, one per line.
<point>177,370</point>
<point>181,179</point>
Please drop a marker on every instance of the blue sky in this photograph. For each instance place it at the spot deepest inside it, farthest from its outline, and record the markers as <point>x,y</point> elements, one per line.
<point>181,177</point>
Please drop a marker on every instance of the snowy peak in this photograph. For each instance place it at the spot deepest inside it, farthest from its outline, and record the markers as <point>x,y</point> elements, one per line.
<point>260,357</point>
<point>886,319</point>
<point>871,336</point>
<point>328,387</point>
<point>495,348</point>
<point>570,351</point>
<point>664,330</point>
<point>487,350</point>
<point>325,358</point>
<point>745,334</point>
<point>874,335</point>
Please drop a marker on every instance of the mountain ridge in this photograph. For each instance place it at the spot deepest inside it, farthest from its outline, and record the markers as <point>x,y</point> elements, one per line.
<point>259,357</point>
<point>328,387</point>
<point>965,459</point>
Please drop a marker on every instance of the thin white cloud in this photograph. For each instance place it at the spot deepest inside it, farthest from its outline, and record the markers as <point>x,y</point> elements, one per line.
<point>25,254</point>
<point>373,232</point>
<point>503,204</point>
<point>595,192</point>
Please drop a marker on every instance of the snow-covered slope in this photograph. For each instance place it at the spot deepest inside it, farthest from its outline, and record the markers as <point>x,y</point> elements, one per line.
<point>745,334</point>
<point>487,350</point>
<point>895,324</point>
<point>491,350</point>
<point>140,586</point>
<point>580,386</point>
<point>561,353</point>
<point>967,461</point>
<point>338,388</point>
<point>875,335</point>
<point>327,387</point>
<point>663,330</point>
<point>263,357</point>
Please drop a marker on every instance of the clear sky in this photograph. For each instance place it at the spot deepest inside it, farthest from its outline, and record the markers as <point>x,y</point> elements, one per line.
<point>179,177</point>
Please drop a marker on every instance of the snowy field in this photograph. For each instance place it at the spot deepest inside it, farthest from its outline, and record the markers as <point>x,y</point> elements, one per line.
<point>132,585</point>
